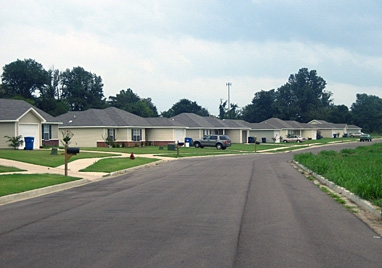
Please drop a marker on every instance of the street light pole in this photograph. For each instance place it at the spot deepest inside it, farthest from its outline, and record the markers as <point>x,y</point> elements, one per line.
<point>229,84</point>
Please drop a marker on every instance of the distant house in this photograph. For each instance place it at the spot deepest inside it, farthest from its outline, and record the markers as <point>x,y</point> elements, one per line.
<point>275,129</point>
<point>113,126</point>
<point>18,117</point>
<point>330,130</point>
<point>197,126</point>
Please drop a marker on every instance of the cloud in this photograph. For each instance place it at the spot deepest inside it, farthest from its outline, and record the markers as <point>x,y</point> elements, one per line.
<point>169,50</point>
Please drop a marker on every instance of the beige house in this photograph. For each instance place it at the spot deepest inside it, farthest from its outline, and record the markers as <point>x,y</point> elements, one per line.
<point>113,126</point>
<point>18,117</point>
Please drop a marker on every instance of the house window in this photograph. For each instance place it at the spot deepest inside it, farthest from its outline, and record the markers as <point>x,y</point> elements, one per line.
<point>111,134</point>
<point>46,132</point>
<point>136,134</point>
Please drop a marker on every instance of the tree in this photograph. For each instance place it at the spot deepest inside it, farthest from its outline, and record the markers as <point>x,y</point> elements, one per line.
<point>339,114</point>
<point>303,97</point>
<point>367,113</point>
<point>185,106</point>
<point>261,108</point>
<point>232,113</point>
<point>82,90</point>
<point>23,78</point>
<point>129,101</point>
<point>50,96</point>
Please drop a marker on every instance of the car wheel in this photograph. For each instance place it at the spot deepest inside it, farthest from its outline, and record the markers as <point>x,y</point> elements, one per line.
<point>298,141</point>
<point>223,148</point>
<point>285,141</point>
<point>219,146</point>
<point>197,145</point>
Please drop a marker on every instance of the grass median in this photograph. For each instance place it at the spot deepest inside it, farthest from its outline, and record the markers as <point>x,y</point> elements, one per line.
<point>358,170</point>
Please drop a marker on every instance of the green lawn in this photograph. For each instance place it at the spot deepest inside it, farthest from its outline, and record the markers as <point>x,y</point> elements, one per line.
<point>23,182</point>
<point>45,158</point>
<point>358,170</point>
<point>17,183</point>
<point>9,169</point>
<point>114,164</point>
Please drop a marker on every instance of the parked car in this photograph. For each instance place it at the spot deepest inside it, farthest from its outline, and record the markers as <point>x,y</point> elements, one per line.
<point>357,134</point>
<point>218,141</point>
<point>294,138</point>
<point>365,137</point>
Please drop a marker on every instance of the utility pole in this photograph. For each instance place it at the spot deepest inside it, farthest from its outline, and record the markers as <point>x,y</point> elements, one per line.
<point>229,84</point>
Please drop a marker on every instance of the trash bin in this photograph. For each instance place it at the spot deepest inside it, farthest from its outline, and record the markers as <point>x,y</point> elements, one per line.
<point>189,141</point>
<point>28,143</point>
<point>264,140</point>
<point>251,139</point>
<point>334,135</point>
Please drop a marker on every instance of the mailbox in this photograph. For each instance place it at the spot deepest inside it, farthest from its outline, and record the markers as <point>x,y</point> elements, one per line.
<point>73,150</point>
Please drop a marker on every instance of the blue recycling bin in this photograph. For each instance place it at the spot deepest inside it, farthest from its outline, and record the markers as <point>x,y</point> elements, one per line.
<point>188,140</point>
<point>28,143</point>
<point>334,135</point>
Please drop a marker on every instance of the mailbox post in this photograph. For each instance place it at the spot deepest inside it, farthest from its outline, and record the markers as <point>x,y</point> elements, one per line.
<point>69,152</point>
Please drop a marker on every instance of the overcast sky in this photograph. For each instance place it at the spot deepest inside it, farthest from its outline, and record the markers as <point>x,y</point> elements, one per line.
<point>173,49</point>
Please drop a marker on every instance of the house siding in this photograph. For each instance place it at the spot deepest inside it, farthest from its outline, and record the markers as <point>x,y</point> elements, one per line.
<point>7,129</point>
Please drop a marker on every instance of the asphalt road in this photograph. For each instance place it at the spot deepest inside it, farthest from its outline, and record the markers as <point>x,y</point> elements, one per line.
<point>241,211</point>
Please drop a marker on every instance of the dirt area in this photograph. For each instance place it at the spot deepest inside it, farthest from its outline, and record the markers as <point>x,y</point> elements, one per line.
<point>367,217</point>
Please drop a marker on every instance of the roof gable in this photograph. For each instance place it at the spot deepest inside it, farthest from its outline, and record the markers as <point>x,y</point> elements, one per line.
<point>13,110</point>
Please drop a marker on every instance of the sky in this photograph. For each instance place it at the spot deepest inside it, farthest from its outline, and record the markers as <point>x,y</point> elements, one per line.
<point>168,50</point>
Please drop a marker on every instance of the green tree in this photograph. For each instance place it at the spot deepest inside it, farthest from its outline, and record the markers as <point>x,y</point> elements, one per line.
<point>129,101</point>
<point>339,114</point>
<point>261,108</point>
<point>232,113</point>
<point>50,96</point>
<point>23,78</point>
<point>367,113</point>
<point>185,106</point>
<point>82,90</point>
<point>303,97</point>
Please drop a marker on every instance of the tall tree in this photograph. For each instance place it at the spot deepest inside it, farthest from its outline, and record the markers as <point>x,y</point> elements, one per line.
<point>23,77</point>
<point>82,90</point>
<point>367,113</point>
<point>232,113</point>
<point>129,101</point>
<point>261,108</point>
<point>185,106</point>
<point>303,97</point>
<point>339,114</point>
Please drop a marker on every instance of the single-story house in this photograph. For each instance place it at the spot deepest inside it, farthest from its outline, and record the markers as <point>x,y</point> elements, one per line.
<point>113,126</point>
<point>331,130</point>
<point>198,126</point>
<point>19,118</point>
<point>103,127</point>
<point>275,130</point>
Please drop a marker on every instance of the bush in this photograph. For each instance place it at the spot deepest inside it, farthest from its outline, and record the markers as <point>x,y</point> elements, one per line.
<point>15,142</point>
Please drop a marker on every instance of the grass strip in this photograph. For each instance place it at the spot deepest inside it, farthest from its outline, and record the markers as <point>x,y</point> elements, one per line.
<point>45,158</point>
<point>119,163</point>
<point>9,169</point>
<point>358,170</point>
<point>17,183</point>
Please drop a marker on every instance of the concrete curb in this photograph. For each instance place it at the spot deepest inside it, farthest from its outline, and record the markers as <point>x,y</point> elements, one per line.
<point>42,191</point>
<point>340,190</point>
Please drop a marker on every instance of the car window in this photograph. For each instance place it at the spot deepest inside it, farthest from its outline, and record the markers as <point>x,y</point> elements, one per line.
<point>223,138</point>
<point>213,137</point>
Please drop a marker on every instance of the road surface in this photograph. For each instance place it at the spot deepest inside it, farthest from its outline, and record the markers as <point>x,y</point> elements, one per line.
<point>230,211</point>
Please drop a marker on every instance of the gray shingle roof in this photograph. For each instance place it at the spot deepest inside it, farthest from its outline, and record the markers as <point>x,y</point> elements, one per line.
<point>109,117</point>
<point>12,110</point>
